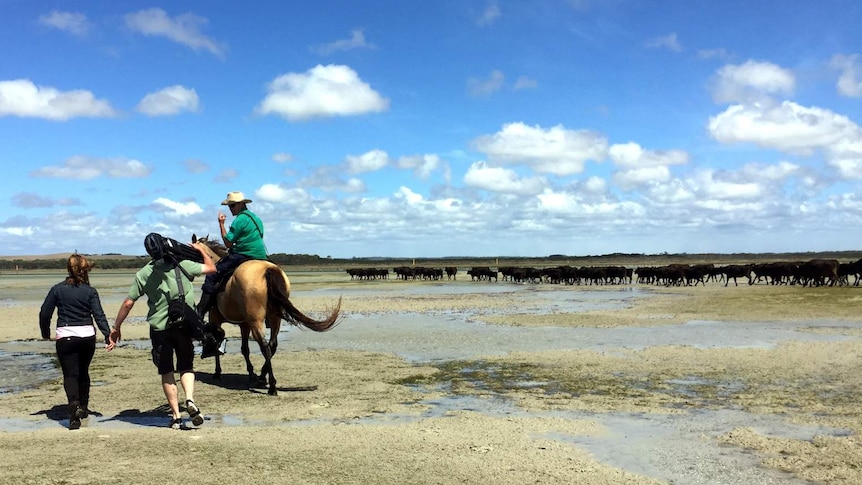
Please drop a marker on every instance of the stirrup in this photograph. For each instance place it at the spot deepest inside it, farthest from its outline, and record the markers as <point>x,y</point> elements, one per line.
<point>210,350</point>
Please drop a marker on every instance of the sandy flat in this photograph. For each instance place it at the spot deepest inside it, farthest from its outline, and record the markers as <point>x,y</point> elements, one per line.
<point>541,416</point>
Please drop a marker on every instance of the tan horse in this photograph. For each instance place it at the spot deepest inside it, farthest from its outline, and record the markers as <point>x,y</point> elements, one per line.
<point>255,297</point>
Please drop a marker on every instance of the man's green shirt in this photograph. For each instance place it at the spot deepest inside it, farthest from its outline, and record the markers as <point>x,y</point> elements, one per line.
<point>246,235</point>
<point>158,281</point>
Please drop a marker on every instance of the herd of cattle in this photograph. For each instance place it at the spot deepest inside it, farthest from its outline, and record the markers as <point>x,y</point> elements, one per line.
<point>815,272</point>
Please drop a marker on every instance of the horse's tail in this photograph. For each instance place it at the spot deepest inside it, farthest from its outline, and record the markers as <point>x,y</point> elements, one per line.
<point>277,295</point>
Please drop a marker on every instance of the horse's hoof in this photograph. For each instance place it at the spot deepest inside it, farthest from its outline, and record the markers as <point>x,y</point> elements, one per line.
<point>273,392</point>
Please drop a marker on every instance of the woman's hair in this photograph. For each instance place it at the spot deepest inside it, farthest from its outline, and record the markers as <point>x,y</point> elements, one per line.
<point>79,270</point>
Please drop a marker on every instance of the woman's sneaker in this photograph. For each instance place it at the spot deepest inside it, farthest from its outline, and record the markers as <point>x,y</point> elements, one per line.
<point>194,413</point>
<point>176,423</point>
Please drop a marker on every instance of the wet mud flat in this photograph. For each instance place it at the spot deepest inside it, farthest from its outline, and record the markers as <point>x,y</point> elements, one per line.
<point>705,401</point>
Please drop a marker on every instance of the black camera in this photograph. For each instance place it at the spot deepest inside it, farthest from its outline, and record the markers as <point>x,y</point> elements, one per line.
<point>167,249</point>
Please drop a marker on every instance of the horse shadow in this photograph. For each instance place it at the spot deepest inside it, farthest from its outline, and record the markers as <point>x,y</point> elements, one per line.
<point>241,382</point>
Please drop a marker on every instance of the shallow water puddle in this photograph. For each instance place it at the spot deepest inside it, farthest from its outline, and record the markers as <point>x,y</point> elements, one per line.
<point>433,337</point>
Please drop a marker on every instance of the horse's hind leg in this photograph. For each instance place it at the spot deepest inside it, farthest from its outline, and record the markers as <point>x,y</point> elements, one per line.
<point>246,353</point>
<point>257,334</point>
<point>274,324</point>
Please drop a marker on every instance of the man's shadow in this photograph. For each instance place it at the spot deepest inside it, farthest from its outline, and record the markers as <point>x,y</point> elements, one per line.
<point>157,417</point>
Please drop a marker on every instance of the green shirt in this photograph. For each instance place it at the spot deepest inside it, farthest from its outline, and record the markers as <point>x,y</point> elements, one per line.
<point>246,235</point>
<point>158,281</point>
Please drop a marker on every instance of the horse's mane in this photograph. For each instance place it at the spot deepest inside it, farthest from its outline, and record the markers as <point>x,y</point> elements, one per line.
<point>217,247</point>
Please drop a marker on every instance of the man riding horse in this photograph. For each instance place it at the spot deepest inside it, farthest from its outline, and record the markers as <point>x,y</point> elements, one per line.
<point>244,241</point>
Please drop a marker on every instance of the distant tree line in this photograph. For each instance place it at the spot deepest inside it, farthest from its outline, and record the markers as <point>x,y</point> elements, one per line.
<point>109,262</point>
<point>113,261</point>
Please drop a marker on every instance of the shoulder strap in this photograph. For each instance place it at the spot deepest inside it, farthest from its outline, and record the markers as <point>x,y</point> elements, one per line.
<point>253,222</point>
<point>180,285</point>
<point>258,229</point>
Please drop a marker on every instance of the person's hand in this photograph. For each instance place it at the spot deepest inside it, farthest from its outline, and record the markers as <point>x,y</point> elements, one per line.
<point>221,217</point>
<point>114,338</point>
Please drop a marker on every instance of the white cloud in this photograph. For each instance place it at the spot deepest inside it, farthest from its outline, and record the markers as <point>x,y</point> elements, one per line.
<point>846,156</point>
<point>788,127</point>
<point>30,200</point>
<point>719,53</point>
<point>675,192</point>
<point>194,165</point>
<point>572,207</point>
<point>367,162</point>
<point>183,29</point>
<point>282,157</point>
<point>635,177</point>
<point>709,186</point>
<point>555,150</point>
<point>668,41</point>
<point>523,82</point>
<point>72,22</point>
<point>631,155</point>
<point>771,173</point>
<point>751,81</point>
<point>850,80</point>
<point>489,15</point>
<point>226,175</point>
<point>82,167</point>
<point>19,231</point>
<point>356,41</point>
<point>178,209</point>
<point>353,186</point>
<point>595,184</point>
<point>169,101</point>
<point>422,165</point>
<point>278,194</point>
<point>486,87</point>
<point>329,178</point>
<point>498,179</point>
<point>20,97</point>
<point>412,198</point>
<point>323,91</point>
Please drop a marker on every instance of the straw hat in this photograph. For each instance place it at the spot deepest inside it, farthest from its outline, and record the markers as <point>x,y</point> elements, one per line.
<point>235,198</point>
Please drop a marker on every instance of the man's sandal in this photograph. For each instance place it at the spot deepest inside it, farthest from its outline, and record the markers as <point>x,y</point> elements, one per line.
<point>194,413</point>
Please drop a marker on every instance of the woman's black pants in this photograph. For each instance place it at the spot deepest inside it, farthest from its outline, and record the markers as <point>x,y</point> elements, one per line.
<point>75,355</point>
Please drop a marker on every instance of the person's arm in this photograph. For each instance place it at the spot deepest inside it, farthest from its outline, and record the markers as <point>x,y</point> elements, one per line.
<point>45,314</point>
<point>221,220</point>
<point>99,315</point>
<point>208,266</point>
<point>116,335</point>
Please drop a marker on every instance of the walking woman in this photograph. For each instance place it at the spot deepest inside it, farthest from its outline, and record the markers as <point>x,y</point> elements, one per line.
<point>77,305</point>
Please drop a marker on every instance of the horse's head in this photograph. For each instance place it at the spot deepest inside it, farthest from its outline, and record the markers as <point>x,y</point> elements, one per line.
<point>215,249</point>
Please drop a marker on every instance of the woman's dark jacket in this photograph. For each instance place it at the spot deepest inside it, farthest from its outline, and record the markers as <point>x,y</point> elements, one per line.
<point>76,305</point>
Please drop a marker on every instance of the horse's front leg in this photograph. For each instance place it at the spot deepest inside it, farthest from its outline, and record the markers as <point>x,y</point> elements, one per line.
<point>217,374</point>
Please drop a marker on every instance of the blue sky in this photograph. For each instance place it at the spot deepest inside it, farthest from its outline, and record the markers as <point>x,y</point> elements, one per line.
<point>423,129</point>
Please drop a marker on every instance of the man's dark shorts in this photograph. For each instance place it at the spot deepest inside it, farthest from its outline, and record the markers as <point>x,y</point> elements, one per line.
<point>168,342</point>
